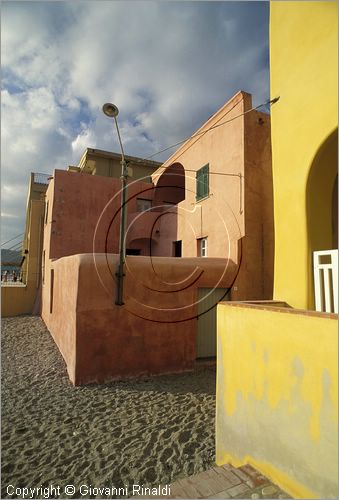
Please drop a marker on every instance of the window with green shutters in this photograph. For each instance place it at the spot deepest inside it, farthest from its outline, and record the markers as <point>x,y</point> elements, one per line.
<point>202,182</point>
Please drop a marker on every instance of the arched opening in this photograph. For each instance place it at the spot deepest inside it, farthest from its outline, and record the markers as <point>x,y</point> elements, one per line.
<point>322,225</point>
<point>170,188</point>
<point>335,213</point>
<point>141,246</point>
<point>322,197</point>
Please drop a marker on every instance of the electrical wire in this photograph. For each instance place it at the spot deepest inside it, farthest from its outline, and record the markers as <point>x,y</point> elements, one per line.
<point>14,238</point>
<point>197,134</point>
<point>14,247</point>
<point>266,103</point>
<point>214,173</point>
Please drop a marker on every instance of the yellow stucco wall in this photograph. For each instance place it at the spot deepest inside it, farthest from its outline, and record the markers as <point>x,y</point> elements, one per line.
<point>303,72</point>
<point>17,300</point>
<point>277,396</point>
<point>20,299</point>
<point>98,162</point>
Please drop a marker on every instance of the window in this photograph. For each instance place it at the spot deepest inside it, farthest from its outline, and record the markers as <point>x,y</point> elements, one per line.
<point>177,245</point>
<point>43,267</point>
<point>46,212</point>
<point>143,205</point>
<point>202,182</point>
<point>202,247</point>
<point>51,292</point>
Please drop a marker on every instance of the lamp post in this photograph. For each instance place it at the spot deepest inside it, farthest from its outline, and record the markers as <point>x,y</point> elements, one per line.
<point>112,111</point>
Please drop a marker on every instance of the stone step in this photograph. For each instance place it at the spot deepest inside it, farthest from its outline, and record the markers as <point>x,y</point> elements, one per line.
<point>223,481</point>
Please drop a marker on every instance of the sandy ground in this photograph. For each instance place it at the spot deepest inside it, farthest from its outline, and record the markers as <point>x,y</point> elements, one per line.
<point>149,431</point>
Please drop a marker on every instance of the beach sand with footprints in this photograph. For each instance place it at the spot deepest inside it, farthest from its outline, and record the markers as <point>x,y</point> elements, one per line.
<point>147,431</point>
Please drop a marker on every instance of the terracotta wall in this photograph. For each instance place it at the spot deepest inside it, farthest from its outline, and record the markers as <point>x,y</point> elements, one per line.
<point>59,305</point>
<point>237,215</point>
<point>153,333</point>
<point>255,280</point>
<point>218,216</point>
<point>84,217</point>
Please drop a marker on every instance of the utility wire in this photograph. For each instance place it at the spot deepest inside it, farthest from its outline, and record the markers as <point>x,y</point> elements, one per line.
<point>13,247</point>
<point>269,102</point>
<point>14,238</point>
<point>214,173</point>
<point>197,134</point>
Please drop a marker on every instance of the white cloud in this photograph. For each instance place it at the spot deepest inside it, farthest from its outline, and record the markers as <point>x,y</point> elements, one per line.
<point>9,216</point>
<point>167,65</point>
<point>86,139</point>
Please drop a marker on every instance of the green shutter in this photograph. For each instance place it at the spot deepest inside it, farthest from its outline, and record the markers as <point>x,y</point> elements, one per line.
<point>199,184</point>
<point>206,186</point>
<point>202,182</point>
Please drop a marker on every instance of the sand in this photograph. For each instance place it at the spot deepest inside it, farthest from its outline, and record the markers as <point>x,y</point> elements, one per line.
<point>151,431</point>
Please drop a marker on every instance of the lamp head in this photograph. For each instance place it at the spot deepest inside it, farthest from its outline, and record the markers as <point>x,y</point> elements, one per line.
<point>110,110</point>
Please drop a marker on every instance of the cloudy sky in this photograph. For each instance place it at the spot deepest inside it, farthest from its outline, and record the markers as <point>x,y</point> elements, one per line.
<point>167,65</point>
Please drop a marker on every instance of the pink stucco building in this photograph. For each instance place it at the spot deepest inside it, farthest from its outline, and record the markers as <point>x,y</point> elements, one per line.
<point>224,195</point>
<point>210,204</point>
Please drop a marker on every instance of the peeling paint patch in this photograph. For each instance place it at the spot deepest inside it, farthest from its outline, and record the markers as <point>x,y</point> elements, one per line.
<point>278,403</point>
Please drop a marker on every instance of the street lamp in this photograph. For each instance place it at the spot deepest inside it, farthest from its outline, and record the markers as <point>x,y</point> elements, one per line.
<point>112,111</point>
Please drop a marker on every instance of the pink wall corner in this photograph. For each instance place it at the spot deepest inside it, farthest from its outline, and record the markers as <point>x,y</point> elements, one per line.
<point>255,280</point>
<point>59,304</point>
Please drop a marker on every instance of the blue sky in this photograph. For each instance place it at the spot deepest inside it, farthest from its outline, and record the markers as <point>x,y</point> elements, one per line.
<point>167,66</point>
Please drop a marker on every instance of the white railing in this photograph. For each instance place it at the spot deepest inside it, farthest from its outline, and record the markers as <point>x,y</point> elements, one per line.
<point>13,279</point>
<point>325,268</point>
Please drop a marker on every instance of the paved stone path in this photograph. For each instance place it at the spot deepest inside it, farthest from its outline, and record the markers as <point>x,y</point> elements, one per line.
<point>225,482</point>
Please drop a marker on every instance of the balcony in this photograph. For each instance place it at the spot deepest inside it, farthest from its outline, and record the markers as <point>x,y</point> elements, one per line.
<point>41,178</point>
<point>325,269</point>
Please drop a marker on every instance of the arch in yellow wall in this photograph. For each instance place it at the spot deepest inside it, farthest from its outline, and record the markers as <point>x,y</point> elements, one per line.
<point>319,194</point>
<point>322,202</point>
<point>335,213</point>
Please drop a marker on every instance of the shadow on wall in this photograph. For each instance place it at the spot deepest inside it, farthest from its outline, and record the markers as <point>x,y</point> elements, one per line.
<point>322,203</point>
<point>277,390</point>
<point>170,187</point>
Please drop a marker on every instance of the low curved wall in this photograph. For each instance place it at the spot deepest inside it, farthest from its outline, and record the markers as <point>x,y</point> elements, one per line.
<point>154,332</point>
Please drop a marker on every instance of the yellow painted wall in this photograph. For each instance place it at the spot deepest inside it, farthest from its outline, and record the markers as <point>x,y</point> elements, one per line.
<point>19,299</point>
<point>97,162</point>
<point>303,72</point>
<point>16,300</point>
<point>277,396</point>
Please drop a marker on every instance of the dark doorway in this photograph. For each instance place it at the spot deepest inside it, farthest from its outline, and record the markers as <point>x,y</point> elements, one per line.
<point>177,248</point>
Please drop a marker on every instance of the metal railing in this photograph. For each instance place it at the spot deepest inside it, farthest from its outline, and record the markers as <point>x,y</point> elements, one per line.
<point>325,269</point>
<point>41,178</point>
